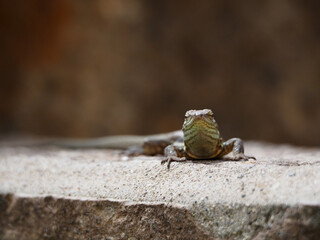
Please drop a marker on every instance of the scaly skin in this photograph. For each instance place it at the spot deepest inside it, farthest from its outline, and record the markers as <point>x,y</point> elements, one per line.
<point>202,140</point>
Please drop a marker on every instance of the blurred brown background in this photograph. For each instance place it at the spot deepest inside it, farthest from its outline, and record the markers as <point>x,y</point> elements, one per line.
<point>93,68</point>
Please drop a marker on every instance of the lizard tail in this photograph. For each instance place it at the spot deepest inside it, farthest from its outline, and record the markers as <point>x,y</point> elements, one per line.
<point>116,142</point>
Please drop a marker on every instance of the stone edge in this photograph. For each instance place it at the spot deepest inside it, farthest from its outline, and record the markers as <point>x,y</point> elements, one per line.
<point>26,217</point>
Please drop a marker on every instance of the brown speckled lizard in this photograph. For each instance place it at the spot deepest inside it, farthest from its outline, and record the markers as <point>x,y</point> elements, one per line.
<point>199,139</point>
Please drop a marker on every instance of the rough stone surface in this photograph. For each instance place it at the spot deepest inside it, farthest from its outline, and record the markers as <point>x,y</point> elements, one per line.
<point>52,193</point>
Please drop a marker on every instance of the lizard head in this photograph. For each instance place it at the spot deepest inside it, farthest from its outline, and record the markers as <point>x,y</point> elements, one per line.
<point>200,119</point>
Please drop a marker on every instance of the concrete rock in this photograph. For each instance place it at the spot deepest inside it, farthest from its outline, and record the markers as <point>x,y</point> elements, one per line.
<point>52,193</point>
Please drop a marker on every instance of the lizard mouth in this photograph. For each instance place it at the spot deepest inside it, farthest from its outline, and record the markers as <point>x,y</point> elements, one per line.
<point>199,121</point>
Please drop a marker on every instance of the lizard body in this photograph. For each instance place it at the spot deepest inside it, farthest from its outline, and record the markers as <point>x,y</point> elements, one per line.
<point>199,139</point>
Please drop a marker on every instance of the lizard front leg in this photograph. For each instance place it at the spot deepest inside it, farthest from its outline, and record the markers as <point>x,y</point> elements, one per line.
<point>174,153</point>
<point>155,144</point>
<point>235,145</point>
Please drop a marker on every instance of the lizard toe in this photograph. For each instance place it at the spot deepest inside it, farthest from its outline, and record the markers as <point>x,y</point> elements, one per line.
<point>241,156</point>
<point>171,159</point>
<point>164,161</point>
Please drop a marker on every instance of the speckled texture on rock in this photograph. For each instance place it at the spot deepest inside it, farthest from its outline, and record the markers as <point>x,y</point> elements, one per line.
<point>57,193</point>
<point>52,218</point>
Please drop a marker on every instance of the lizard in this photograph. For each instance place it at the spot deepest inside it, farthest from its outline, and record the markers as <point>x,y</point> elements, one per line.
<point>199,139</point>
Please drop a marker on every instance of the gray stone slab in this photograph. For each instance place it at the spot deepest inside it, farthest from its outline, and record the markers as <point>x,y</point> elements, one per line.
<point>118,197</point>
